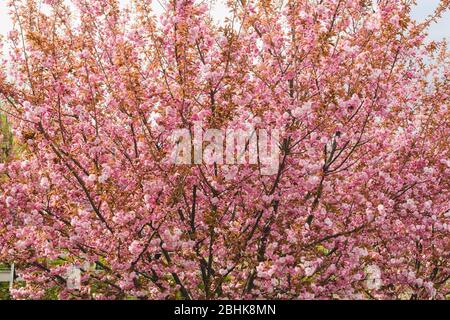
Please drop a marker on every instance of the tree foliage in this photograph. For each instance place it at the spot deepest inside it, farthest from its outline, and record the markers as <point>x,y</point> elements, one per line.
<point>358,207</point>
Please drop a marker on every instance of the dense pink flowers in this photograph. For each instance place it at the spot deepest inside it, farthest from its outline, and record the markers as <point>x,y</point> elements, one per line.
<point>357,208</point>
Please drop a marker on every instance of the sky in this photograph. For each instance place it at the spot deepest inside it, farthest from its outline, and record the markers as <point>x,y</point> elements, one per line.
<point>422,10</point>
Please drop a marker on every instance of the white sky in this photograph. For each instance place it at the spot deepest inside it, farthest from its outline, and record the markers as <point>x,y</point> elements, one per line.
<point>424,8</point>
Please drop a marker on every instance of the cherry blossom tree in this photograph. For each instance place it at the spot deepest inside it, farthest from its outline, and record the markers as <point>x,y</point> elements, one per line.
<point>357,208</point>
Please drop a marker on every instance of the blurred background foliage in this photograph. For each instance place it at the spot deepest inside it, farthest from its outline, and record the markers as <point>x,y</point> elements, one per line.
<point>6,138</point>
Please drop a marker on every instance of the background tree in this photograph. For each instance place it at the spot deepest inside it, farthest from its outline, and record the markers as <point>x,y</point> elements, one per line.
<point>358,207</point>
<point>6,138</point>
